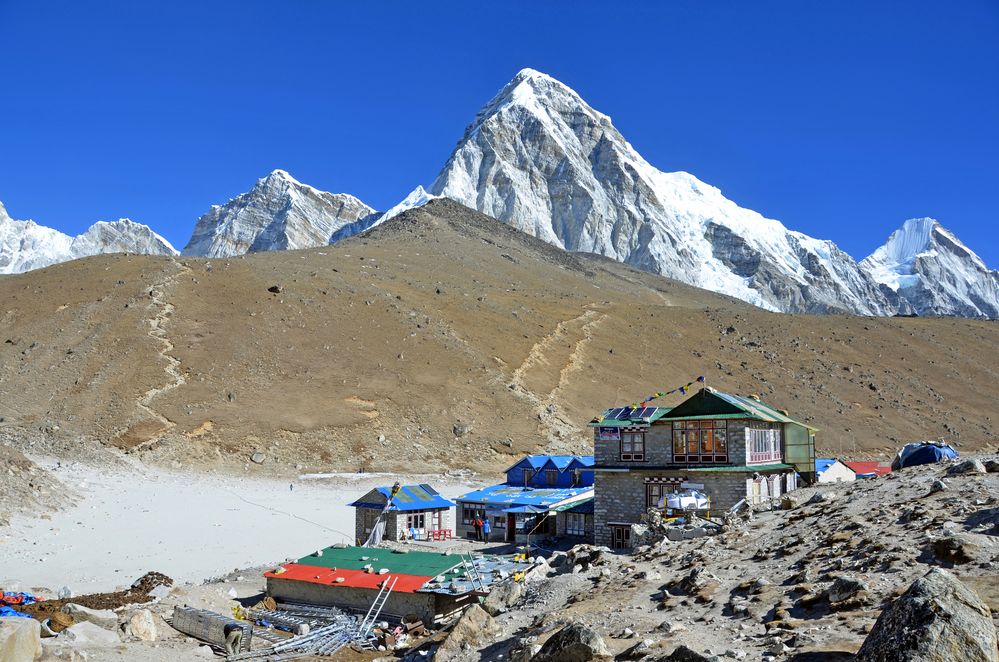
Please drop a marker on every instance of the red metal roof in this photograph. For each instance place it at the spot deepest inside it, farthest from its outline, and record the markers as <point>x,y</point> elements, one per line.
<point>351,578</point>
<point>877,468</point>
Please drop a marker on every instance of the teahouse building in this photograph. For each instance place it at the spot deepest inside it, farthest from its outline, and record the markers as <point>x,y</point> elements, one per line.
<point>729,447</point>
<point>417,510</point>
<point>534,502</point>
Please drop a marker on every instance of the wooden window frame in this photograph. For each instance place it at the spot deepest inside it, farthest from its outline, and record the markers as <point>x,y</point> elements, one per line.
<point>551,476</point>
<point>620,536</point>
<point>702,441</point>
<point>632,455</point>
<point>575,524</point>
<point>416,520</point>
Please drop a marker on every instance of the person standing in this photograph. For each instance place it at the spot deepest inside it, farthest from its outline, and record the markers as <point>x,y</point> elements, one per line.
<point>477,524</point>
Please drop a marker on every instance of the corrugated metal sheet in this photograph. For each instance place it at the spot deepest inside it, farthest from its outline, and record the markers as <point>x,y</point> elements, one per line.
<point>507,495</point>
<point>560,462</point>
<point>409,498</point>
<point>348,578</point>
<point>619,417</point>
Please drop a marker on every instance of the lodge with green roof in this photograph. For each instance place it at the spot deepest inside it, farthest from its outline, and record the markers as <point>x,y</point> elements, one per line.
<point>729,447</point>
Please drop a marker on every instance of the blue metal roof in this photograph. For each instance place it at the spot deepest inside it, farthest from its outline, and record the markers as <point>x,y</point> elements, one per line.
<point>561,462</point>
<point>410,497</point>
<point>823,463</point>
<point>509,496</point>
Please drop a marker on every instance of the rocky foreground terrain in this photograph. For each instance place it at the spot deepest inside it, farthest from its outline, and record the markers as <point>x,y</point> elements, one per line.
<point>904,567</point>
<point>806,583</point>
<point>441,339</point>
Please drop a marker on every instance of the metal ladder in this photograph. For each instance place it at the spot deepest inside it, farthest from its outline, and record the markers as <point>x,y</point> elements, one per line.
<point>472,574</point>
<point>376,608</point>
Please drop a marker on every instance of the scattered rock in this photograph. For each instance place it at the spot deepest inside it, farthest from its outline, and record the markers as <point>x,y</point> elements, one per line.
<point>258,458</point>
<point>684,654</point>
<point>638,651</point>
<point>573,643</point>
<point>502,596</point>
<point>969,466</point>
<point>938,619</point>
<point>822,497</point>
<point>461,429</point>
<point>956,549</point>
<point>159,592</point>
<point>845,588</point>
<point>473,628</point>
<point>275,289</point>
<point>142,626</point>
<point>20,639</point>
<point>65,593</point>
<point>991,466</point>
<point>104,618</point>
<point>938,486</point>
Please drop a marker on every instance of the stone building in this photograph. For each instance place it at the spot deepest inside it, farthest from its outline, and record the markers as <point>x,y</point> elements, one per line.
<point>729,447</point>
<point>416,510</point>
<point>831,470</point>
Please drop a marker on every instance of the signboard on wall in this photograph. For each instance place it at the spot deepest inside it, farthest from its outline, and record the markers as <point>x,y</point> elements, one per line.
<point>608,434</point>
<point>692,486</point>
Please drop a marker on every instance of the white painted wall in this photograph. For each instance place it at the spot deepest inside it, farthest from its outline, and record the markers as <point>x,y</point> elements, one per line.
<point>837,473</point>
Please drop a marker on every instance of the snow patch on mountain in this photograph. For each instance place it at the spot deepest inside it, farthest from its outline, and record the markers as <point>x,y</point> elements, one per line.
<point>540,158</point>
<point>25,245</point>
<point>928,267</point>
<point>278,213</point>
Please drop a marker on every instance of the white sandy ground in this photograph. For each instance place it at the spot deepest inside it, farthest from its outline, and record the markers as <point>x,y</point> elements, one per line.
<point>189,526</point>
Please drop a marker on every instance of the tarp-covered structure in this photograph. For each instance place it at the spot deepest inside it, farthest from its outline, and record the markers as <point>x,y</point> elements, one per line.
<point>922,452</point>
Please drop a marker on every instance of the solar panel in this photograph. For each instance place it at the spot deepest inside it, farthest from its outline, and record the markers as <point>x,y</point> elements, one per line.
<point>617,412</point>
<point>642,412</point>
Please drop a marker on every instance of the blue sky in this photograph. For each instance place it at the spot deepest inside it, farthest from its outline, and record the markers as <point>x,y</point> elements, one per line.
<point>841,119</point>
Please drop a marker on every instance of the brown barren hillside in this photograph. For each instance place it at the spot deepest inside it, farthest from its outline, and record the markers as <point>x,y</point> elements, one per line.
<point>380,352</point>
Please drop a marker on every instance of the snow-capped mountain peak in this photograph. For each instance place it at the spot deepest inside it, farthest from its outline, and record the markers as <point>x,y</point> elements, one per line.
<point>25,245</point>
<point>279,212</point>
<point>539,157</point>
<point>928,267</point>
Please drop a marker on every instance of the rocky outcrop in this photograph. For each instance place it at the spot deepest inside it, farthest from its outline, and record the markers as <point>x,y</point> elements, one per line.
<point>938,619</point>
<point>25,245</point>
<point>540,158</point>
<point>473,628</point>
<point>278,213</point>
<point>933,273</point>
<point>573,643</point>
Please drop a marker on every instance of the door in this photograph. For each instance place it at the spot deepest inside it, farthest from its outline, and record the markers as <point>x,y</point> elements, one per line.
<point>621,537</point>
<point>511,527</point>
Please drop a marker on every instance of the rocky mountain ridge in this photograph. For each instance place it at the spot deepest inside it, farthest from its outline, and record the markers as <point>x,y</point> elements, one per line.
<point>539,158</point>
<point>278,213</point>
<point>929,268</point>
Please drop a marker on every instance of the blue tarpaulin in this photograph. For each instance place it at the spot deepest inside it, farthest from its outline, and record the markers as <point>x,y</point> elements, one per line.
<point>922,452</point>
<point>7,612</point>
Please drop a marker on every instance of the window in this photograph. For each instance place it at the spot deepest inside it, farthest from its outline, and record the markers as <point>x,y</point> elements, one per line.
<point>763,444</point>
<point>499,522</point>
<point>633,446</point>
<point>700,441</point>
<point>575,524</point>
<point>577,477</point>
<point>469,511</point>
<point>654,492</point>
<point>621,537</point>
<point>551,476</point>
<point>416,521</point>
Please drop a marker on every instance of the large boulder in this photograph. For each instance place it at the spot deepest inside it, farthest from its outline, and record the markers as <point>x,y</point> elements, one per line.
<point>142,626</point>
<point>473,628</point>
<point>502,596</point>
<point>573,643</point>
<point>938,619</point>
<point>20,639</point>
<point>970,466</point>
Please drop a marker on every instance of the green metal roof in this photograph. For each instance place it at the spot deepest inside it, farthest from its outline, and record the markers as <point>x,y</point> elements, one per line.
<point>427,564</point>
<point>741,468</point>
<point>711,404</point>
